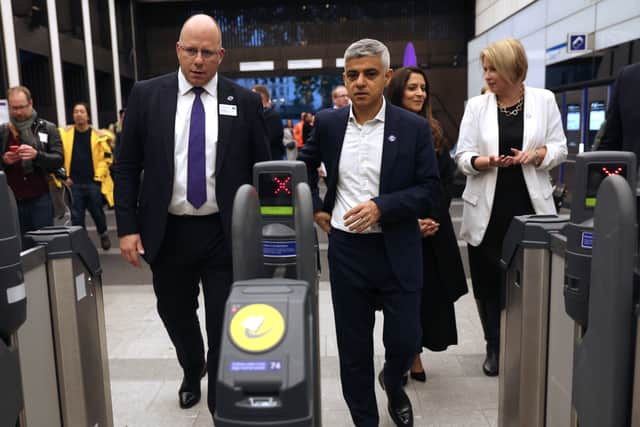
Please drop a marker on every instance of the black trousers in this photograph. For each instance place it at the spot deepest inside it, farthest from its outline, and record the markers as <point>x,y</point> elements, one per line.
<point>488,286</point>
<point>194,251</point>
<point>361,278</point>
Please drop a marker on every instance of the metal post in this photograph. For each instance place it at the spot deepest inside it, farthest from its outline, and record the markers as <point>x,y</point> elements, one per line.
<point>56,62</point>
<point>91,73</point>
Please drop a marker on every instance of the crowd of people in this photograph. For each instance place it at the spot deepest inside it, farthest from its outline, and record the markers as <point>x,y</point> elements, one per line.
<point>40,160</point>
<point>388,172</point>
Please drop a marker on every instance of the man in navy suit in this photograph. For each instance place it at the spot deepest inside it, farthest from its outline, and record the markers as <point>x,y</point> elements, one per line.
<point>621,129</point>
<point>196,136</point>
<point>382,176</point>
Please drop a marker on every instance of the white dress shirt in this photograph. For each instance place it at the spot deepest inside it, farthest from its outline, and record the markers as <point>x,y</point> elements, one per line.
<point>179,204</point>
<point>359,168</point>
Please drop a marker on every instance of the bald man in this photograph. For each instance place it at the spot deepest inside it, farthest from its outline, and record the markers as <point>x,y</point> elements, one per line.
<point>196,135</point>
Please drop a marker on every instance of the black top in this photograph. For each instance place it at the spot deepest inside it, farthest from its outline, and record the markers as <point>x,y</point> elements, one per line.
<point>81,162</point>
<point>511,196</point>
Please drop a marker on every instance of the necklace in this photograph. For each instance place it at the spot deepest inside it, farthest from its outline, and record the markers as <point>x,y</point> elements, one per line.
<point>513,110</point>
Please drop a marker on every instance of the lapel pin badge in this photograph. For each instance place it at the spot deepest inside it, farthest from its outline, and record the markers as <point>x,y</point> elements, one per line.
<point>230,98</point>
<point>391,138</point>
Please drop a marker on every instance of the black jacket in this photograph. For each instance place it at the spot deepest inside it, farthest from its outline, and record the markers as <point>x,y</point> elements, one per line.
<point>148,143</point>
<point>49,156</point>
<point>621,130</point>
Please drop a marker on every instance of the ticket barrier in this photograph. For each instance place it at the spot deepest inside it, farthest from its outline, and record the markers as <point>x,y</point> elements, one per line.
<point>526,256</point>
<point>65,370</point>
<point>269,368</point>
<point>13,307</point>
<point>546,293</point>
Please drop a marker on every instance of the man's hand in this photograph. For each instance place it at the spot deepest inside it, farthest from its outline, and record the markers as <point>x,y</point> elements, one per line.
<point>428,227</point>
<point>130,248</point>
<point>323,219</point>
<point>10,158</point>
<point>27,152</point>
<point>362,216</point>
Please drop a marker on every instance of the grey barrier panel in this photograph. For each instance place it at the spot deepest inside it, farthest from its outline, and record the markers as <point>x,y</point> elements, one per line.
<point>603,358</point>
<point>13,306</point>
<point>246,229</point>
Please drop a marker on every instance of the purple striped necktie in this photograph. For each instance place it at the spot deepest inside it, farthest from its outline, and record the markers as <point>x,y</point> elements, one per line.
<point>196,175</point>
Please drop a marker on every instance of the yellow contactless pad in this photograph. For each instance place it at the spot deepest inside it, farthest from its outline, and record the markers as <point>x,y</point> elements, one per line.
<point>257,328</point>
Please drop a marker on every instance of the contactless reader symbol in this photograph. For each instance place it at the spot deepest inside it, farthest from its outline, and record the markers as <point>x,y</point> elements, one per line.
<point>257,328</point>
<point>252,327</point>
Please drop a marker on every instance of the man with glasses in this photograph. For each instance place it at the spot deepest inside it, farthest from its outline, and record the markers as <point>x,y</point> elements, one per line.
<point>31,149</point>
<point>196,135</point>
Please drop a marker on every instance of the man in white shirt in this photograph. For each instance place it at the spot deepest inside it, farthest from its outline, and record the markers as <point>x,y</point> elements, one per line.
<point>382,175</point>
<point>197,135</point>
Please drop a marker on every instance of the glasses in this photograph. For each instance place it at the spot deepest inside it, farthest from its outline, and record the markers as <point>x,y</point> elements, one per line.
<point>192,52</point>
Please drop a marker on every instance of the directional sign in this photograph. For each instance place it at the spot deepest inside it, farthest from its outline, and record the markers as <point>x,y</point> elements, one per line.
<point>577,43</point>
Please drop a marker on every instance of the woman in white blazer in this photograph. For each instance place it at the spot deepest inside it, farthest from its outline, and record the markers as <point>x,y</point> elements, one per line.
<point>509,139</point>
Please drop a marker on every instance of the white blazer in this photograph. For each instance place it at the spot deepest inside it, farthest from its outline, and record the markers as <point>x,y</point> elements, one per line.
<point>479,137</point>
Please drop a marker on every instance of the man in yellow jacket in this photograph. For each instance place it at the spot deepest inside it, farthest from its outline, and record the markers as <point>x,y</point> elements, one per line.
<point>87,157</point>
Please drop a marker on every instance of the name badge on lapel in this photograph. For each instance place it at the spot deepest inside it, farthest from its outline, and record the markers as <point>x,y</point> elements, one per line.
<point>228,110</point>
<point>43,137</point>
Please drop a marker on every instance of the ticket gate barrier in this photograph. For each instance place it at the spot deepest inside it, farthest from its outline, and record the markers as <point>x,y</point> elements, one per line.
<point>603,355</point>
<point>269,368</point>
<point>562,335</point>
<point>13,307</point>
<point>523,332</point>
<point>78,324</point>
<point>571,274</point>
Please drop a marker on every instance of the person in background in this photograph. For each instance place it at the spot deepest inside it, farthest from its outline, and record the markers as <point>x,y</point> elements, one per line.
<point>307,126</point>
<point>444,278</point>
<point>289,141</point>
<point>340,97</point>
<point>381,177</point>
<point>87,159</point>
<point>116,129</point>
<point>509,140</point>
<point>297,130</point>
<point>273,121</point>
<point>196,135</point>
<point>31,150</point>
<point>621,130</point>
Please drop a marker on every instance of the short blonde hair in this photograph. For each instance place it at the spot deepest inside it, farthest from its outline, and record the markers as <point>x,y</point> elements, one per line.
<point>508,58</point>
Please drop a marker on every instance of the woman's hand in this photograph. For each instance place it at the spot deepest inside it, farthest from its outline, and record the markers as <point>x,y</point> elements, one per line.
<point>534,157</point>
<point>428,227</point>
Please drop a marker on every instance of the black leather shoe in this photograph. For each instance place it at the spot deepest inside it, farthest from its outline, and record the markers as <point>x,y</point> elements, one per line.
<point>189,393</point>
<point>490,367</point>
<point>419,376</point>
<point>398,405</point>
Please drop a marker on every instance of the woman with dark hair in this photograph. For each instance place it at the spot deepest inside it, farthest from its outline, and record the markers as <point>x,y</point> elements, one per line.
<point>444,279</point>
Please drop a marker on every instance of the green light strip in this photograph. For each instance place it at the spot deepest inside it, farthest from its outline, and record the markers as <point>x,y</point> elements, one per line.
<point>590,202</point>
<point>276,210</point>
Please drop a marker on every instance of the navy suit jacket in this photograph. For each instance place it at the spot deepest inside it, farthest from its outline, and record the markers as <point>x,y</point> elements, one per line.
<point>621,130</point>
<point>409,182</point>
<point>148,143</point>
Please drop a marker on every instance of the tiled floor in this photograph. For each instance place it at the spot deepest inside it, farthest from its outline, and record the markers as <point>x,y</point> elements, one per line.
<point>145,376</point>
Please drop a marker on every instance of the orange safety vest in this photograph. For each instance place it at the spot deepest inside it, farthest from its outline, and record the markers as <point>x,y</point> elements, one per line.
<point>297,133</point>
